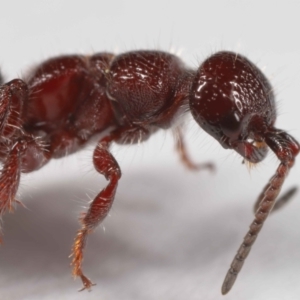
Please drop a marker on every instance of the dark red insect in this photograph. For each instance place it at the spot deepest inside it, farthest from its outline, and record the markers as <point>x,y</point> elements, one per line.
<point>69,99</point>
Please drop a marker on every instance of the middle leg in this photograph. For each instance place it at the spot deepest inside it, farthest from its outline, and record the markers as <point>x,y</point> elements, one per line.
<point>105,164</point>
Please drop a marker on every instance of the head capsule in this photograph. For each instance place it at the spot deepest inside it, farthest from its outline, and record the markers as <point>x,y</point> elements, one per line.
<point>233,101</point>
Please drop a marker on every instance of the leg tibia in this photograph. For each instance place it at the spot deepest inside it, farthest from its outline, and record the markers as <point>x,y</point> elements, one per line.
<point>25,155</point>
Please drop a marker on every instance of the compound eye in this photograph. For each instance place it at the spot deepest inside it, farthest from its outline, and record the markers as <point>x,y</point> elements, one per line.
<point>231,125</point>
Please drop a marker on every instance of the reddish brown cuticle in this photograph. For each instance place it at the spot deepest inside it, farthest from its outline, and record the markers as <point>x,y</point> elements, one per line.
<point>67,100</point>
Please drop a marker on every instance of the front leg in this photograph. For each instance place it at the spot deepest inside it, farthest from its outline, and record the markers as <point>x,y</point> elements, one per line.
<point>183,153</point>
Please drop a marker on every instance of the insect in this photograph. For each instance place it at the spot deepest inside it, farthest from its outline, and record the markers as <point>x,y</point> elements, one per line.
<point>67,100</point>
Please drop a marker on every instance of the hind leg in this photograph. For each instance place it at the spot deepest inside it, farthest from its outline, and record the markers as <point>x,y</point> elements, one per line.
<point>19,151</point>
<point>12,96</point>
<point>27,154</point>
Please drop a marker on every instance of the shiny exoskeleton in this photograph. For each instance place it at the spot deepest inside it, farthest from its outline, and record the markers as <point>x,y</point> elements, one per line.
<point>67,100</point>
